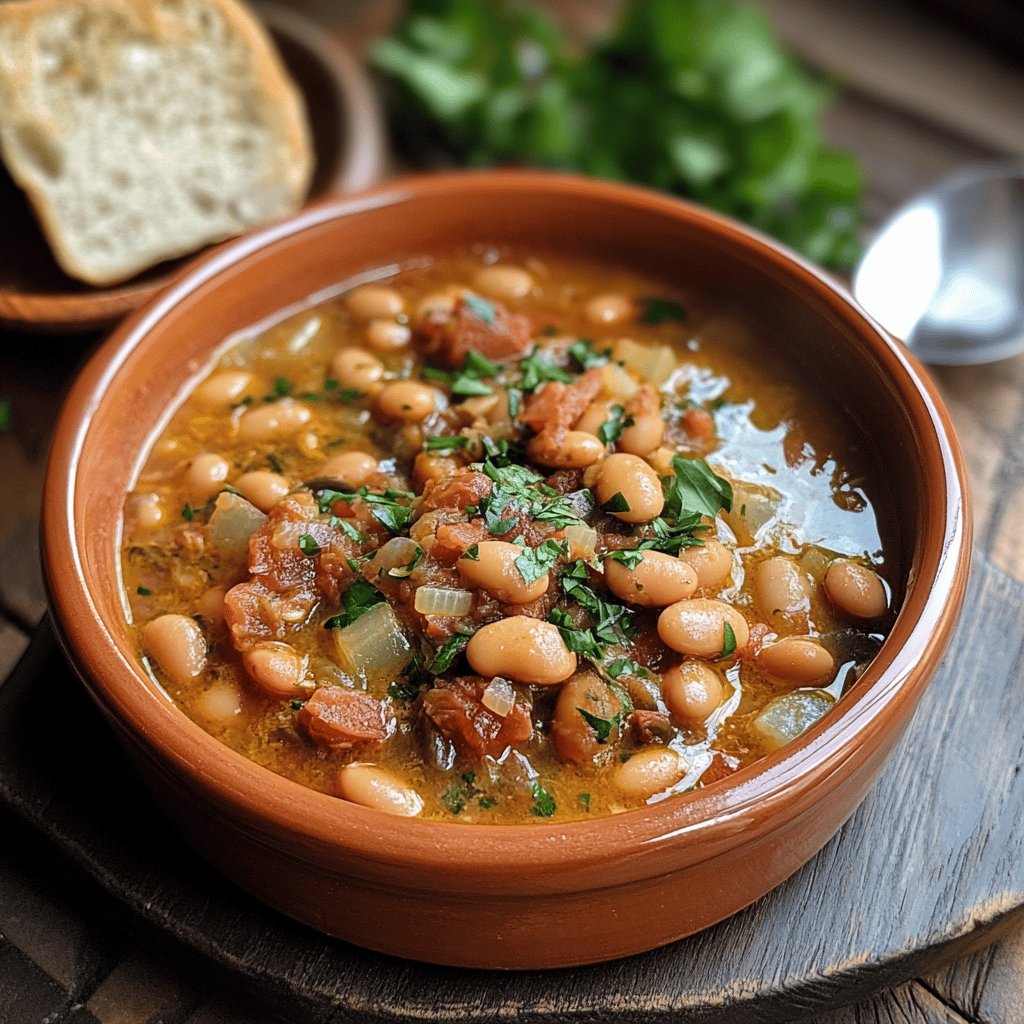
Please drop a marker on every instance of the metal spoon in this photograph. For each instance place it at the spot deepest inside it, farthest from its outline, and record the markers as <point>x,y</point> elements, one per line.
<point>946,273</point>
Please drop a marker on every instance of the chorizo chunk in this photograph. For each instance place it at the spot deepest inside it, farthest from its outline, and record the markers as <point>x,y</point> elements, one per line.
<point>456,708</point>
<point>467,487</point>
<point>338,719</point>
<point>502,337</point>
<point>557,406</point>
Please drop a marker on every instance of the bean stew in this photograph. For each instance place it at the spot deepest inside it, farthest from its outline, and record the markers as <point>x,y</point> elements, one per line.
<point>506,539</point>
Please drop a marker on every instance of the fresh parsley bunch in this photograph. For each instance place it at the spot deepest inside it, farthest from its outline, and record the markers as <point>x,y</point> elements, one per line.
<point>694,97</point>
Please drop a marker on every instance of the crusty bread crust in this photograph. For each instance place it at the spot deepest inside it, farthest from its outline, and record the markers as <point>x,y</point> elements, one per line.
<point>31,130</point>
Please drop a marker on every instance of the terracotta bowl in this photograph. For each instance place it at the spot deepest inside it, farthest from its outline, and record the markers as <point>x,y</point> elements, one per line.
<point>517,896</point>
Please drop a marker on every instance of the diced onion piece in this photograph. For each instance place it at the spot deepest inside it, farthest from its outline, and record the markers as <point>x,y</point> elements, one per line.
<point>788,716</point>
<point>618,384</point>
<point>753,506</point>
<point>652,363</point>
<point>499,696</point>
<point>395,555</point>
<point>233,521</point>
<point>443,601</point>
<point>373,647</point>
<point>582,541</point>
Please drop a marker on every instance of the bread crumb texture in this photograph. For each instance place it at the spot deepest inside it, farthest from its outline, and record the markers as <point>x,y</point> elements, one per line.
<point>142,130</point>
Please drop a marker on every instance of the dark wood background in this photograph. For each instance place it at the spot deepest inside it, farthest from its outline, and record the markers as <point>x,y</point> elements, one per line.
<point>916,101</point>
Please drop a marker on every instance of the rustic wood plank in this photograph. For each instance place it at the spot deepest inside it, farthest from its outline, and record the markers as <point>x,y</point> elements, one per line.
<point>912,1003</point>
<point>912,64</point>
<point>935,845</point>
<point>12,646</point>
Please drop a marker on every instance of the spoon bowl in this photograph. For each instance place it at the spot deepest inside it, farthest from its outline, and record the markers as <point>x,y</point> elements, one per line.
<point>946,273</point>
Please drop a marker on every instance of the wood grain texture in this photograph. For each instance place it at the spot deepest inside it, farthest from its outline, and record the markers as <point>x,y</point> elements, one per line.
<point>931,858</point>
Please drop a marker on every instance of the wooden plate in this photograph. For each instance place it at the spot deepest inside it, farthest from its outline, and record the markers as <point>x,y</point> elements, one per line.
<point>349,139</point>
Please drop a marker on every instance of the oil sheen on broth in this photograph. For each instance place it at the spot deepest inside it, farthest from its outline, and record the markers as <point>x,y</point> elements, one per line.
<point>502,539</point>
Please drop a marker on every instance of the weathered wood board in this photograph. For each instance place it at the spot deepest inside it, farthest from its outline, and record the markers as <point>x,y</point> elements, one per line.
<point>933,859</point>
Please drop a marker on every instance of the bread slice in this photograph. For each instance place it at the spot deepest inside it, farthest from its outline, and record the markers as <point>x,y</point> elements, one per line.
<point>144,129</point>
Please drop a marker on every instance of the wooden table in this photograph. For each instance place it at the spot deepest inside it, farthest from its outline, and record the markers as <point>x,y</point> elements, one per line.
<point>916,102</point>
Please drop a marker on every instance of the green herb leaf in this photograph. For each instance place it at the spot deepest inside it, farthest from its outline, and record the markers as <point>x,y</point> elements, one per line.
<point>729,642</point>
<point>487,802</point>
<point>584,800</point>
<point>404,691</point>
<point>447,653</point>
<point>695,488</point>
<point>543,802</point>
<point>478,365</point>
<point>386,508</point>
<point>188,513</point>
<point>472,553</point>
<point>348,529</point>
<point>482,310</point>
<point>660,311</point>
<point>583,352</point>
<point>536,562</point>
<point>616,503</point>
<point>611,430</point>
<point>401,572</point>
<point>515,398</point>
<point>143,591</point>
<point>539,367</point>
<point>602,726</point>
<point>356,601</point>
<point>274,463</point>
<point>308,545</point>
<point>446,443</point>
<point>282,387</point>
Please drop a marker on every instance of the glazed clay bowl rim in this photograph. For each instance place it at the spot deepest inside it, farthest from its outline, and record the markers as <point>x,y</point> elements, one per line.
<point>690,826</point>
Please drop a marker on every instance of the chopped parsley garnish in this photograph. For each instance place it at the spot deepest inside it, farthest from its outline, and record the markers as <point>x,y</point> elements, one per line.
<point>308,545</point>
<point>188,513</point>
<point>602,726</point>
<point>515,398</point>
<point>357,600</point>
<point>454,797</point>
<point>445,444</point>
<point>611,430</point>
<point>281,387</point>
<point>625,667</point>
<point>274,463</point>
<point>487,802</point>
<point>348,529</point>
<point>539,367</point>
<point>143,591</point>
<point>447,653</point>
<point>583,352</point>
<point>478,365</point>
<point>695,488</point>
<point>469,381</point>
<point>659,311</point>
<point>535,562</point>
<point>460,792</point>
<point>584,800</point>
<point>472,553</point>
<point>543,802</point>
<point>610,623</point>
<point>385,508</point>
<point>518,490</point>
<point>616,503</point>
<point>729,643</point>
<point>404,691</point>
<point>481,308</point>
<point>296,704</point>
